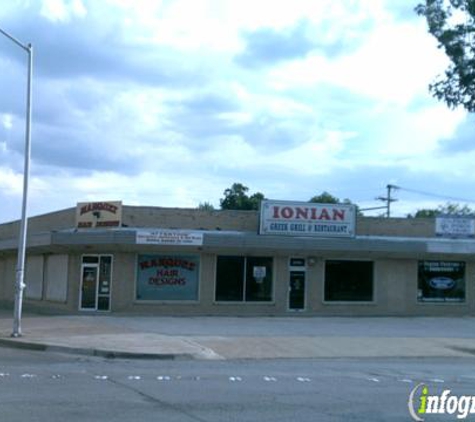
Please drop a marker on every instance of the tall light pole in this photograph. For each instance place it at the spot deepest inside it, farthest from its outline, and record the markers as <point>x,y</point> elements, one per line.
<point>20,268</point>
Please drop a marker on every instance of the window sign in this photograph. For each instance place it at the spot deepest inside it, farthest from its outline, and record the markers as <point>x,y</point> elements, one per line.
<point>244,279</point>
<point>441,281</point>
<point>259,273</point>
<point>167,277</point>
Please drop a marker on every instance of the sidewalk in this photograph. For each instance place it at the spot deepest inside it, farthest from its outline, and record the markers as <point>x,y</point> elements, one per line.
<point>157,337</point>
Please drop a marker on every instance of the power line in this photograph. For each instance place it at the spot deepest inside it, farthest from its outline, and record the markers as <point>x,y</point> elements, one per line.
<point>435,195</point>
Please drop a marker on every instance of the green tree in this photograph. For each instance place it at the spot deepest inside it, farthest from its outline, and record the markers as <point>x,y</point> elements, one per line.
<point>237,198</point>
<point>447,209</point>
<point>206,206</point>
<point>325,198</point>
<point>425,213</point>
<point>328,198</point>
<point>452,23</point>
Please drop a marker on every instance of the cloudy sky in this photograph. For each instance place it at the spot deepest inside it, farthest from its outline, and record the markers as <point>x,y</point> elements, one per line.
<point>169,102</point>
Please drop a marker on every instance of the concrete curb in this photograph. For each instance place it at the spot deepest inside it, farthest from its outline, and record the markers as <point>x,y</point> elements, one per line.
<point>15,343</point>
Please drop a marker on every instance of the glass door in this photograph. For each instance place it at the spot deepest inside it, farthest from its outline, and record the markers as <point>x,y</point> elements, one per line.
<point>297,290</point>
<point>96,282</point>
<point>297,275</point>
<point>89,286</point>
<point>105,279</point>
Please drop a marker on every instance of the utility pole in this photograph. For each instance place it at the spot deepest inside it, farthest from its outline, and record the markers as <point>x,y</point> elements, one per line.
<point>388,199</point>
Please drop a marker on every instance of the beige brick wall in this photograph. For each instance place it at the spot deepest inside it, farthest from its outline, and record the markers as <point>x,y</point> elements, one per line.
<point>186,218</point>
<point>58,220</point>
<point>189,218</point>
<point>405,227</point>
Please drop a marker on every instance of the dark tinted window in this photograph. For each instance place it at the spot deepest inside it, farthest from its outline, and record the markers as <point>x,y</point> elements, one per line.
<point>230,278</point>
<point>350,281</point>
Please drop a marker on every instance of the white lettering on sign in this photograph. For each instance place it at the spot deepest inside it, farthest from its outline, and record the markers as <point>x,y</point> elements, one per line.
<point>446,226</point>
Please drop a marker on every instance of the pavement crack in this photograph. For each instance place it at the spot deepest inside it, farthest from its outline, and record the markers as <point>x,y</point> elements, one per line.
<point>156,401</point>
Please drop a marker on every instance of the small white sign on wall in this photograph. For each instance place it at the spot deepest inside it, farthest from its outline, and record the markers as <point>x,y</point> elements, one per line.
<point>169,237</point>
<point>453,226</point>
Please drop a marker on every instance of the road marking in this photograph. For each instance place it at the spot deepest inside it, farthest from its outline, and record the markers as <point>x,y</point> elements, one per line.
<point>303,379</point>
<point>437,380</point>
<point>101,377</point>
<point>163,378</point>
<point>28,376</point>
<point>235,379</point>
<point>134,377</point>
<point>406,380</point>
<point>2,375</point>
<point>374,379</point>
<point>270,379</point>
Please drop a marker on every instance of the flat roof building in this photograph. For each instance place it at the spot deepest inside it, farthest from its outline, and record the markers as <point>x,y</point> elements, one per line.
<point>289,258</point>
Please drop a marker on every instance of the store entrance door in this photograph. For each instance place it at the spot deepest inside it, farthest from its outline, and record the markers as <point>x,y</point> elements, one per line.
<point>297,290</point>
<point>297,277</point>
<point>96,280</point>
<point>89,287</point>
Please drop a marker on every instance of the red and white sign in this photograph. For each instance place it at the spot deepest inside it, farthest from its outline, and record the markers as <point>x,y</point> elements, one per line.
<point>307,219</point>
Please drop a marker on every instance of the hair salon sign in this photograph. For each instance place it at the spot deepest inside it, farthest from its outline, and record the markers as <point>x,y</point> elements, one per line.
<point>91,215</point>
<point>167,277</point>
<point>307,219</point>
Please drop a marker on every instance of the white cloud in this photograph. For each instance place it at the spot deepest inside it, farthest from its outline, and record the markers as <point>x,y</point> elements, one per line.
<point>11,183</point>
<point>7,120</point>
<point>155,107</point>
<point>394,63</point>
<point>62,10</point>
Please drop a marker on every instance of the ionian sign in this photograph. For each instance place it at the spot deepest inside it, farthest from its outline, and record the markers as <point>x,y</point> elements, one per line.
<point>307,219</point>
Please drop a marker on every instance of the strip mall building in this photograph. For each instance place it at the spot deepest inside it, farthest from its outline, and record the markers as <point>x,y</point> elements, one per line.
<point>289,258</point>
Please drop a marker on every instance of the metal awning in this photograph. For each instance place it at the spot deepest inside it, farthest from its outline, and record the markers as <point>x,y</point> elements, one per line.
<point>246,242</point>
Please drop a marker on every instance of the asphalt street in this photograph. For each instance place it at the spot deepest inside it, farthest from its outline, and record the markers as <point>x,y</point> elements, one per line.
<point>37,386</point>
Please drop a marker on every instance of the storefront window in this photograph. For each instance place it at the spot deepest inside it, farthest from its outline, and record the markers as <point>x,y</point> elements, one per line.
<point>348,281</point>
<point>229,278</point>
<point>167,277</point>
<point>244,279</point>
<point>258,279</point>
<point>441,281</point>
